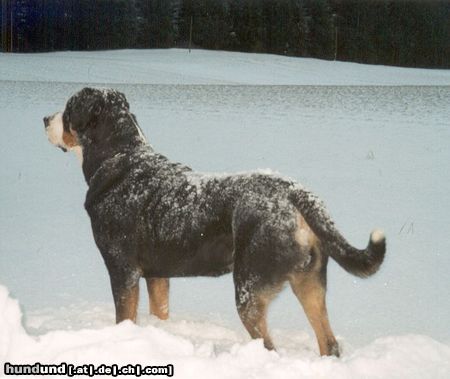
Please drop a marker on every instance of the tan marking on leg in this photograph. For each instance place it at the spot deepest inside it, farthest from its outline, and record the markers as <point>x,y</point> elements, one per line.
<point>158,292</point>
<point>254,315</point>
<point>127,304</point>
<point>311,294</point>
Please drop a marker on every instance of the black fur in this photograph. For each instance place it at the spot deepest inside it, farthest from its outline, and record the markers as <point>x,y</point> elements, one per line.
<point>154,218</point>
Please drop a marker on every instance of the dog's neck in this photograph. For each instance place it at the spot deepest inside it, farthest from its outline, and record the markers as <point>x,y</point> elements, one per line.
<point>94,158</point>
<point>98,145</point>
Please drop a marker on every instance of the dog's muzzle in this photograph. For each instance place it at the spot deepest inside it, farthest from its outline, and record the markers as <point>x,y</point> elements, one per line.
<point>47,120</point>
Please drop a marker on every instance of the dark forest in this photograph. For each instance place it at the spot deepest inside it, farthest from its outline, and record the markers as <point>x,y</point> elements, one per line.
<point>403,33</point>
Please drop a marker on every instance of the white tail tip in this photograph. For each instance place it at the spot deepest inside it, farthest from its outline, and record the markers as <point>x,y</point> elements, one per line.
<point>377,236</point>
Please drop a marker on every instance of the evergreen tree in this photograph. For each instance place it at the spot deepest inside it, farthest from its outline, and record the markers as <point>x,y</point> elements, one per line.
<point>320,29</point>
<point>156,24</point>
<point>397,32</point>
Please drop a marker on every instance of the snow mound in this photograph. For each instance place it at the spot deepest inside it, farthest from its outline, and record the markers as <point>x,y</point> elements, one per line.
<point>204,350</point>
<point>13,337</point>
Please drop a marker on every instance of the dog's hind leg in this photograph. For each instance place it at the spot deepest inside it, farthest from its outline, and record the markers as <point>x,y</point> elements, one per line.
<point>310,288</point>
<point>252,304</point>
<point>158,293</point>
<point>253,315</point>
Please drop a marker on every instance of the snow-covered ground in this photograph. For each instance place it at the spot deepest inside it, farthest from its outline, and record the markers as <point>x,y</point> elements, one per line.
<point>176,66</point>
<point>207,349</point>
<point>372,141</point>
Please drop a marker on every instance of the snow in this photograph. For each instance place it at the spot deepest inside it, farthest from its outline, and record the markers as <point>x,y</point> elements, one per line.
<point>176,66</point>
<point>205,349</point>
<point>371,141</point>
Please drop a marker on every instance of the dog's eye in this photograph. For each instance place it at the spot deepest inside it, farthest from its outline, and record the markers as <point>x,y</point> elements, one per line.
<point>63,149</point>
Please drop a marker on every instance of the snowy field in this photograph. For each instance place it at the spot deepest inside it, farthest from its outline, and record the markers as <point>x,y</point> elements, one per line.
<point>372,141</point>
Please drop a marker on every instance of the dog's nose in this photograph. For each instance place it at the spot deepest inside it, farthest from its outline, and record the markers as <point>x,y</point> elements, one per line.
<point>46,120</point>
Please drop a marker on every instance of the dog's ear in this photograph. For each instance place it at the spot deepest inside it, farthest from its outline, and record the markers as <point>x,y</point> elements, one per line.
<point>83,109</point>
<point>117,99</point>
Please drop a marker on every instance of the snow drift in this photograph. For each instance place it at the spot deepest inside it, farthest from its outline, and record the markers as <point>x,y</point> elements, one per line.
<point>205,350</point>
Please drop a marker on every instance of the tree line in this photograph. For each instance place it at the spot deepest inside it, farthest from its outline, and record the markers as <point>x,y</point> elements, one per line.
<point>413,33</point>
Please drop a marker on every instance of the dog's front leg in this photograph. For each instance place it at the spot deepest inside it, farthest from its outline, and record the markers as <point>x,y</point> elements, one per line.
<point>126,302</point>
<point>125,289</point>
<point>158,293</point>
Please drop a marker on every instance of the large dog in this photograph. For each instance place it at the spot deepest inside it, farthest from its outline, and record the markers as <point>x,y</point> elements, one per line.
<point>156,219</point>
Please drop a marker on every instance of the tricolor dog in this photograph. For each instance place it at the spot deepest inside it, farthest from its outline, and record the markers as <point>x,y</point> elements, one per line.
<point>155,219</point>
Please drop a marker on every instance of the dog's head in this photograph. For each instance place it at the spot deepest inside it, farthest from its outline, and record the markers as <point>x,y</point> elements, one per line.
<point>56,134</point>
<point>92,117</point>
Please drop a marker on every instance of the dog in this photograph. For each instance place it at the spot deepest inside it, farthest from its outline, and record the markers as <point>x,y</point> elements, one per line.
<point>156,219</point>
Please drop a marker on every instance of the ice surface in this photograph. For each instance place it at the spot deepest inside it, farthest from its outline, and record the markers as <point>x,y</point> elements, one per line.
<point>378,157</point>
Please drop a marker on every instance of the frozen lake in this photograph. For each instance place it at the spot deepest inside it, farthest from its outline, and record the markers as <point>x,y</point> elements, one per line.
<point>378,157</point>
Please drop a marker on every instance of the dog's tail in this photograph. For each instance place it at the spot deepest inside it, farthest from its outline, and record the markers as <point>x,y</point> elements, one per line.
<point>362,263</point>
